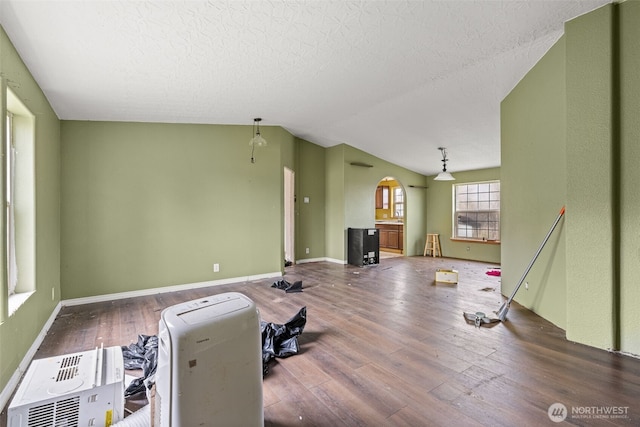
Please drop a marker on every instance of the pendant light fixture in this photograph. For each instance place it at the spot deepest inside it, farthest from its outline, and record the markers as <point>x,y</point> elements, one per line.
<point>444,175</point>
<point>256,140</point>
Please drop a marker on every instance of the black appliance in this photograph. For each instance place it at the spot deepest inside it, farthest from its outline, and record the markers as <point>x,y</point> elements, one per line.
<point>364,246</point>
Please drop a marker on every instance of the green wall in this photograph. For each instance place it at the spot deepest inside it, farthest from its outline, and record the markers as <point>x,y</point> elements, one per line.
<point>351,198</point>
<point>335,204</point>
<point>440,217</point>
<point>587,84</point>
<point>533,190</point>
<point>147,205</point>
<point>19,331</point>
<point>310,217</point>
<point>591,196</point>
<point>629,177</point>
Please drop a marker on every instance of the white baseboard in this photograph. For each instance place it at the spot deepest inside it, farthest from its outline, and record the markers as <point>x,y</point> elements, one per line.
<point>325,259</point>
<point>26,360</point>
<point>154,291</point>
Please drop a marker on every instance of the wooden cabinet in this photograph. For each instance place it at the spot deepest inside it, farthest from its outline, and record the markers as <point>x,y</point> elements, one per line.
<point>382,197</point>
<point>384,237</point>
<point>393,239</point>
<point>391,235</point>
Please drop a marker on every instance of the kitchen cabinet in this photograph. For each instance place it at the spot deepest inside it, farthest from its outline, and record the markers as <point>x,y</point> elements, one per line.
<point>384,237</point>
<point>391,235</point>
<point>382,197</point>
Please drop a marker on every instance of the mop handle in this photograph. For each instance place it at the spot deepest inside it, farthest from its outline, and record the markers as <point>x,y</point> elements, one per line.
<point>513,294</point>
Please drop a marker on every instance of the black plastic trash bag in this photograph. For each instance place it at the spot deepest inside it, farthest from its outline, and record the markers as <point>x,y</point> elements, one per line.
<point>141,355</point>
<point>288,287</point>
<point>281,340</point>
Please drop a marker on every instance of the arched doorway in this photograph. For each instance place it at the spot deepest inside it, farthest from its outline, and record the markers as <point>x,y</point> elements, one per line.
<point>390,211</point>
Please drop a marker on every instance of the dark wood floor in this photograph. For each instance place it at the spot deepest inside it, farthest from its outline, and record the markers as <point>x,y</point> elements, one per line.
<point>385,345</point>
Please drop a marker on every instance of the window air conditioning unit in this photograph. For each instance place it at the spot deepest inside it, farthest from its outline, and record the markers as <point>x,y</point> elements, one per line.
<point>210,363</point>
<point>73,390</point>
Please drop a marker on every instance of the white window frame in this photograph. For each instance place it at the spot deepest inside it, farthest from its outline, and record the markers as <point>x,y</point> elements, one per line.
<point>9,179</point>
<point>398,202</point>
<point>19,152</point>
<point>476,211</point>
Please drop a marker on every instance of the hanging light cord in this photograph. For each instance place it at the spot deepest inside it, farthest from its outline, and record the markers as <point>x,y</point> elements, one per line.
<point>444,159</point>
<point>253,145</point>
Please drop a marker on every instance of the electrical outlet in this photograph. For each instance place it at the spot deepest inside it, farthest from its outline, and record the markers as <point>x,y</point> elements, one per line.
<point>526,285</point>
<point>53,294</point>
<point>216,268</point>
<point>468,248</point>
<point>306,250</point>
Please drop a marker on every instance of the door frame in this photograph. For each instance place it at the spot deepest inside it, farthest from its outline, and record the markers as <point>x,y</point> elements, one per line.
<point>289,215</point>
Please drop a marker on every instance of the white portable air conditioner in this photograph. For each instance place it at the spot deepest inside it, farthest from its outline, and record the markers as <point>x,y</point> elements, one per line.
<point>210,363</point>
<point>73,390</point>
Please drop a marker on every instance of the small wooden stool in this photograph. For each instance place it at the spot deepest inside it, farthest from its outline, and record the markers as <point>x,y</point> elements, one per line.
<point>432,245</point>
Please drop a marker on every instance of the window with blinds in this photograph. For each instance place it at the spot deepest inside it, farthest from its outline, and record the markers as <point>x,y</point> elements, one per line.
<point>477,211</point>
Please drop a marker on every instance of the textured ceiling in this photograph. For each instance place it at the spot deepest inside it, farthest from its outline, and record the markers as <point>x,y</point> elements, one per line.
<point>394,78</point>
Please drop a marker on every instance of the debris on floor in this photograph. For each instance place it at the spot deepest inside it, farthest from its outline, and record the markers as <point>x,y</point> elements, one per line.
<point>446,275</point>
<point>281,340</point>
<point>493,273</point>
<point>480,319</point>
<point>288,287</point>
<point>141,355</point>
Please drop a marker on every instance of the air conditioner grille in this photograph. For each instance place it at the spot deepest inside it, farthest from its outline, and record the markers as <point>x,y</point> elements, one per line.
<point>67,412</point>
<point>63,413</point>
<point>40,416</point>
<point>68,368</point>
<point>71,361</point>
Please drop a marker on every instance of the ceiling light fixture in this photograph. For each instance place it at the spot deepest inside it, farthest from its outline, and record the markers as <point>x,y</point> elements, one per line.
<point>256,140</point>
<point>444,175</point>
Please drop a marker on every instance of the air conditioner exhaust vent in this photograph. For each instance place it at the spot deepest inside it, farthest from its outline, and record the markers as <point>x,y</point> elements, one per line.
<point>68,368</point>
<point>58,414</point>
